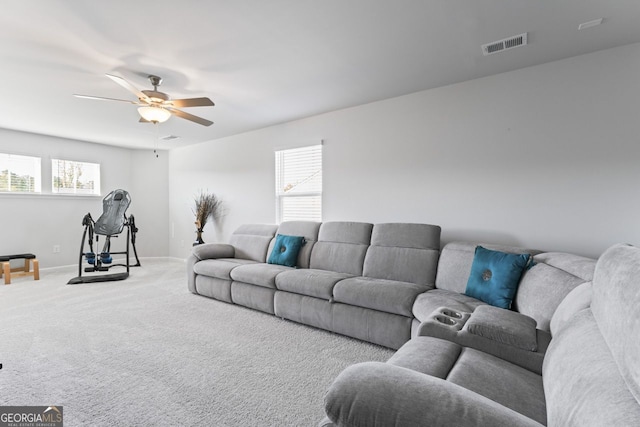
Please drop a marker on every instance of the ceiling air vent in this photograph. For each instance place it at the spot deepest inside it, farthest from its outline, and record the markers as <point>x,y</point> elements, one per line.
<point>504,44</point>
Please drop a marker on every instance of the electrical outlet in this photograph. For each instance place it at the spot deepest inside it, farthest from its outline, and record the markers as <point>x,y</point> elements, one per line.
<point>56,249</point>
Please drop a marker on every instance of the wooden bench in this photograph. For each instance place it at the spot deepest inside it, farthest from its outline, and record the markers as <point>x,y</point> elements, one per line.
<point>30,261</point>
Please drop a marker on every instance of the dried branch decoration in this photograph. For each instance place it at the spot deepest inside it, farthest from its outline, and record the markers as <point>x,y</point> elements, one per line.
<point>207,205</point>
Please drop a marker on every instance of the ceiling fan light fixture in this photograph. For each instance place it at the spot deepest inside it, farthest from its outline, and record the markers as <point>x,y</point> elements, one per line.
<point>155,106</point>
<point>154,114</point>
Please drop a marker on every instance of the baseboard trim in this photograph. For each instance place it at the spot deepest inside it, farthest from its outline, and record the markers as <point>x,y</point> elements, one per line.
<point>120,260</point>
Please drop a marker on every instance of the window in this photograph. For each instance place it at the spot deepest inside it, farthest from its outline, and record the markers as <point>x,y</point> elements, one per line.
<point>299,184</point>
<point>19,174</point>
<point>69,177</point>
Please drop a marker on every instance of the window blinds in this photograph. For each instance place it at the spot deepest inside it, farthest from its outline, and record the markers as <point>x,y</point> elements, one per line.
<point>299,184</point>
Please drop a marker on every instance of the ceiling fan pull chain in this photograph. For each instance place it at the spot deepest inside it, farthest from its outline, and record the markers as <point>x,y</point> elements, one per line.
<point>155,149</point>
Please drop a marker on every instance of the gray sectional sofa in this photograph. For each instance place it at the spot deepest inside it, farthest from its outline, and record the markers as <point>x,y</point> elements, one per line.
<point>590,373</point>
<point>381,283</point>
<point>460,360</point>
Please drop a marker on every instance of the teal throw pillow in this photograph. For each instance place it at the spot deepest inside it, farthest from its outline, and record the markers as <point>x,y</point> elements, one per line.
<point>285,250</point>
<point>495,276</point>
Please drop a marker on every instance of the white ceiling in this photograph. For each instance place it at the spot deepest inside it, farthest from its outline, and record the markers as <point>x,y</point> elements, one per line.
<point>267,62</point>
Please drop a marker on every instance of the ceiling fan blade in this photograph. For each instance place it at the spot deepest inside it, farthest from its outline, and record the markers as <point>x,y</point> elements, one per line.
<point>192,102</point>
<point>102,98</point>
<point>143,120</point>
<point>191,117</point>
<point>131,88</point>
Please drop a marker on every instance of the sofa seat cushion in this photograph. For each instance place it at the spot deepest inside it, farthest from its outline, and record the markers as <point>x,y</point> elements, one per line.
<point>258,274</point>
<point>389,296</point>
<point>510,385</point>
<point>505,383</point>
<point>380,394</point>
<point>310,282</point>
<point>220,268</point>
<point>428,301</point>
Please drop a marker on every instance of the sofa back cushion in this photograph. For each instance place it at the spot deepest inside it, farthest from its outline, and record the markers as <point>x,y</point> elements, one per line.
<point>307,229</point>
<point>404,252</point>
<point>456,259</point>
<point>544,286</point>
<point>252,240</point>
<point>341,247</point>
<point>577,300</point>
<point>591,371</point>
<point>616,307</point>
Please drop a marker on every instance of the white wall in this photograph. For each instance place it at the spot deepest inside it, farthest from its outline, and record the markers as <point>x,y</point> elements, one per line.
<point>238,170</point>
<point>149,191</point>
<point>545,157</point>
<point>35,223</point>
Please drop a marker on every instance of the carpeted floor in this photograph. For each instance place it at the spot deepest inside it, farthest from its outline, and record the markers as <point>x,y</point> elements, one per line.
<point>146,352</point>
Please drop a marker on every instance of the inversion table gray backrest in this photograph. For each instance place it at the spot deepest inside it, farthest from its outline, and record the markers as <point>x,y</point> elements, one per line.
<point>112,220</point>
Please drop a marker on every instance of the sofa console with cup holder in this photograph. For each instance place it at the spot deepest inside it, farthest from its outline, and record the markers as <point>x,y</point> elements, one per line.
<point>502,333</point>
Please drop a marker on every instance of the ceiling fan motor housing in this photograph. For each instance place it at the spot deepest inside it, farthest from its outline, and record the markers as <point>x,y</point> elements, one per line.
<point>156,96</point>
<point>155,81</point>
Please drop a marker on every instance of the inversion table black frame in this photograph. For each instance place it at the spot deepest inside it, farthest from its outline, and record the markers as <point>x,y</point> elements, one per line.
<point>110,224</point>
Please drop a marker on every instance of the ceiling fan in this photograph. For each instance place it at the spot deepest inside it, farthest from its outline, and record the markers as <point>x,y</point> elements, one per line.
<point>155,106</point>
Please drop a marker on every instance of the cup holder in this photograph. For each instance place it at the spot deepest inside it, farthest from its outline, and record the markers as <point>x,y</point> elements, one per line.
<point>445,320</point>
<point>452,313</point>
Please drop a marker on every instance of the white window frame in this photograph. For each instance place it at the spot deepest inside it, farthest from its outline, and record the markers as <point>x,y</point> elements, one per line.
<point>22,166</point>
<point>311,153</point>
<point>75,187</point>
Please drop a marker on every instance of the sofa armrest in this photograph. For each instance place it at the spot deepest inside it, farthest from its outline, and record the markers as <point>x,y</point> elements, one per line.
<point>378,394</point>
<point>503,326</point>
<point>213,250</point>
<point>191,275</point>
